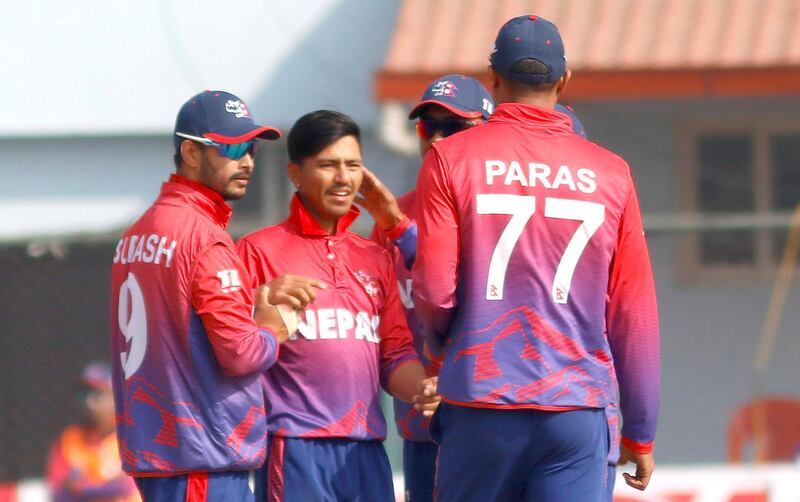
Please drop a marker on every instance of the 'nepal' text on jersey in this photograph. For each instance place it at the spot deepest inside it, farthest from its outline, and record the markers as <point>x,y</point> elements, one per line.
<point>351,338</point>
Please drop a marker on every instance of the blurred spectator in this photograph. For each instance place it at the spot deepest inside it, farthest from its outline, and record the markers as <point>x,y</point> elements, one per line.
<point>84,463</point>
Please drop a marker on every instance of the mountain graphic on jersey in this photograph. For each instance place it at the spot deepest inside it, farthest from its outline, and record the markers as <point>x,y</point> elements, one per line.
<point>411,421</point>
<point>355,423</point>
<point>539,349</point>
<point>144,395</point>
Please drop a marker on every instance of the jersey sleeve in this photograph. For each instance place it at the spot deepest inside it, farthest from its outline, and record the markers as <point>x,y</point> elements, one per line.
<point>435,271</point>
<point>396,346</point>
<point>633,332</point>
<point>402,238</point>
<point>222,297</point>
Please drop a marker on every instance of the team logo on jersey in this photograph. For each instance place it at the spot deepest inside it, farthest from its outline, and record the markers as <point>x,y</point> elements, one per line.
<point>444,88</point>
<point>369,282</point>
<point>238,108</point>
<point>229,280</point>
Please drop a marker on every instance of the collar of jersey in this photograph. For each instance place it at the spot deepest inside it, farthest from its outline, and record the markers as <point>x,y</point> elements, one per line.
<point>534,115</point>
<point>206,199</point>
<point>301,218</point>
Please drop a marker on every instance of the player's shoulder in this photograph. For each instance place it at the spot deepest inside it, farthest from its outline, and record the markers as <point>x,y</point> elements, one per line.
<point>266,237</point>
<point>602,153</point>
<point>369,249</point>
<point>180,223</point>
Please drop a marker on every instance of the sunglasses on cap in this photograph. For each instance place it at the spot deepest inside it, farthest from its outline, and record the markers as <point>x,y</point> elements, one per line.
<point>427,128</point>
<point>233,151</point>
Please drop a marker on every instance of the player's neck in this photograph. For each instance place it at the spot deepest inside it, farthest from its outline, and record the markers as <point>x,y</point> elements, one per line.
<point>544,100</point>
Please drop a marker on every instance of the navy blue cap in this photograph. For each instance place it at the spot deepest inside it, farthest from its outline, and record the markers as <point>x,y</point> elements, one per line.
<point>529,37</point>
<point>459,94</point>
<point>218,116</point>
<point>577,125</point>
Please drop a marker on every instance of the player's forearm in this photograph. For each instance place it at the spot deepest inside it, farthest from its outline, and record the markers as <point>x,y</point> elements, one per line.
<point>406,243</point>
<point>244,353</point>
<point>405,380</point>
<point>639,404</point>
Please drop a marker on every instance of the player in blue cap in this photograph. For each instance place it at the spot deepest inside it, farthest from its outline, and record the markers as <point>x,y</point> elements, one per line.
<point>189,337</point>
<point>450,104</point>
<point>536,316</point>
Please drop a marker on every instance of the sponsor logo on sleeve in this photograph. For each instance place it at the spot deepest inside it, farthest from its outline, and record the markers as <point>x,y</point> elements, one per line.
<point>229,280</point>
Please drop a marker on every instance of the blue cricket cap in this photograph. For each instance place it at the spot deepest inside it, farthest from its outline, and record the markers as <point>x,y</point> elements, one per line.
<point>529,37</point>
<point>218,116</point>
<point>459,94</point>
<point>577,125</point>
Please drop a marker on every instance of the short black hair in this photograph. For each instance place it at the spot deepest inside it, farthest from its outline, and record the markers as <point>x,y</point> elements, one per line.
<point>314,131</point>
<point>529,66</point>
<point>177,158</point>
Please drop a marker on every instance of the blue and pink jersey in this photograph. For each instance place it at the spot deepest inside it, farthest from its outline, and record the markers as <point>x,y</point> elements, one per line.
<point>187,355</point>
<point>401,243</point>
<point>351,339</point>
<point>532,273</point>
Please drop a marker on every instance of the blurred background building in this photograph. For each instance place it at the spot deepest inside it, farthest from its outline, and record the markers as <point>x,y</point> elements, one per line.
<point>701,97</point>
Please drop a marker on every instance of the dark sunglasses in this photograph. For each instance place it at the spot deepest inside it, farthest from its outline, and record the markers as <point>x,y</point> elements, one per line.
<point>233,151</point>
<point>426,128</point>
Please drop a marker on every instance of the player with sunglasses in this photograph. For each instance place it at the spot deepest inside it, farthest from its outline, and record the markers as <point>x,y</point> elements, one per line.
<point>189,338</point>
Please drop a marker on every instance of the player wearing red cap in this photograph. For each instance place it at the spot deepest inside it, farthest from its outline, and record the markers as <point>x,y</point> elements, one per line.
<point>324,417</point>
<point>532,276</point>
<point>187,351</point>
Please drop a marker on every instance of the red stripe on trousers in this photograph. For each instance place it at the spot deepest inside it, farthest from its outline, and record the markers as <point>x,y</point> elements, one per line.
<point>197,487</point>
<point>276,482</point>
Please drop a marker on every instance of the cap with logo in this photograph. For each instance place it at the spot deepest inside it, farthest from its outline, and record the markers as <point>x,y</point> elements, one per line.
<point>529,37</point>
<point>218,116</point>
<point>459,94</point>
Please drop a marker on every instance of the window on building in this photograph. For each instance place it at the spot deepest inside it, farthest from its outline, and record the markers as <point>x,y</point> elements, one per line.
<point>747,180</point>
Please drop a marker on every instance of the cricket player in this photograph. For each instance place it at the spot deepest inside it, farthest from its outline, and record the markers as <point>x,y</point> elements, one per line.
<point>449,104</point>
<point>533,278</point>
<point>324,419</point>
<point>187,347</point>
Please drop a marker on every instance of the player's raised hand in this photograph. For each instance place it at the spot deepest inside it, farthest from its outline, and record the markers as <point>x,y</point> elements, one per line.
<point>428,398</point>
<point>293,290</point>
<point>378,201</point>
<point>645,463</point>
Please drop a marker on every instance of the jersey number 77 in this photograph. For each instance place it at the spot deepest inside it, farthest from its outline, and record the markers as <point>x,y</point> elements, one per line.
<point>521,208</point>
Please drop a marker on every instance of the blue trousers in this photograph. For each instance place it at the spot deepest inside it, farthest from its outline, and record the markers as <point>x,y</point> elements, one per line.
<point>611,477</point>
<point>324,470</point>
<point>419,470</point>
<point>197,487</point>
<point>499,455</point>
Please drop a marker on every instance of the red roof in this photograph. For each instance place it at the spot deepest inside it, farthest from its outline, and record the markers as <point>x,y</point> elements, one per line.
<point>703,46</point>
